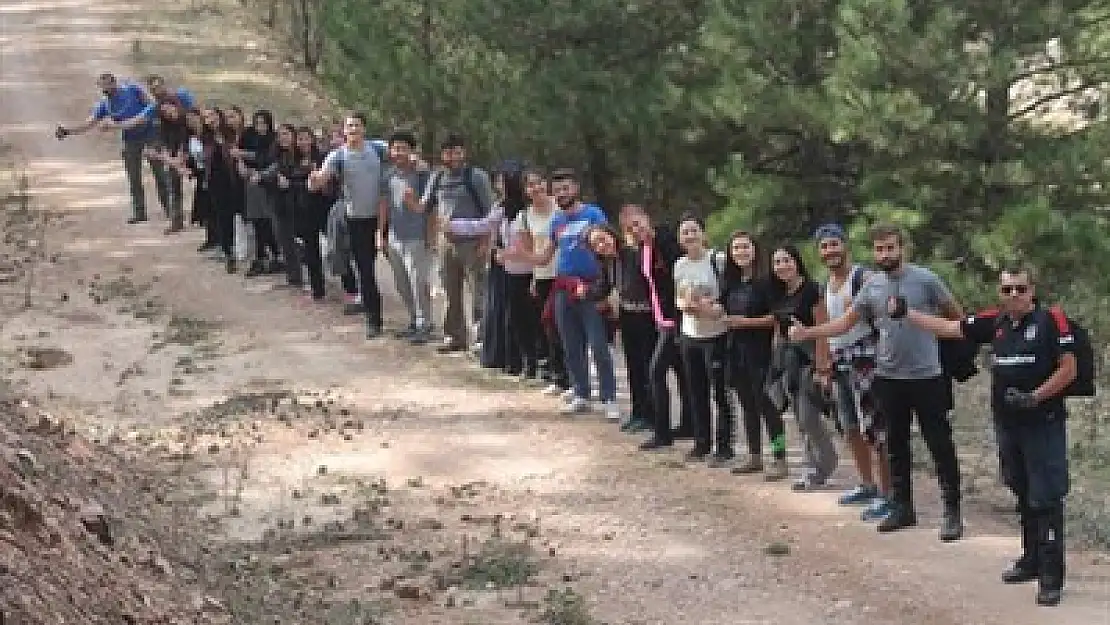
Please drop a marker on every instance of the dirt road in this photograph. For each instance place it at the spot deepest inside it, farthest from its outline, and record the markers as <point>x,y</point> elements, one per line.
<point>159,337</point>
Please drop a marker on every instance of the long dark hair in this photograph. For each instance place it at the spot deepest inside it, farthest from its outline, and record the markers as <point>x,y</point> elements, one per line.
<point>735,273</point>
<point>803,271</point>
<point>512,176</point>
<point>280,154</point>
<point>314,152</point>
<point>255,141</point>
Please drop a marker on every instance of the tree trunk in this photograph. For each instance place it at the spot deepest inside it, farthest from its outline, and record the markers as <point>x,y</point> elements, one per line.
<point>427,100</point>
<point>600,173</point>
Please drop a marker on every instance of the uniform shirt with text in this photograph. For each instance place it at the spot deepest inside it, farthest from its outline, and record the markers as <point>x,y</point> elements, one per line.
<point>1023,355</point>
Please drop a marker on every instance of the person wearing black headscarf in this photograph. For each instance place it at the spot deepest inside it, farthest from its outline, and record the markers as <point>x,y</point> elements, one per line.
<point>258,207</point>
<point>499,349</point>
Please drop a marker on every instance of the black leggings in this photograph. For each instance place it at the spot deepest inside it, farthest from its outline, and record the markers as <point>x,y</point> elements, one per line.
<point>554,345</point>
<point>749,382</point>
<point>309,224</point>
<point>704,361</point>
<point>664,358</point>
<point>524,319</point>
<point>264,239</point>
<point>224,217</point>
<point>638,338</point>
<point>364,247</point>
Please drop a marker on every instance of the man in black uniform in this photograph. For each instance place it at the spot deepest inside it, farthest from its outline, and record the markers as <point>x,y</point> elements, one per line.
<point>1033,362</point>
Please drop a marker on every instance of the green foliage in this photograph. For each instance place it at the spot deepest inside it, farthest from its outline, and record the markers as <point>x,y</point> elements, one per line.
<point>977,129</point>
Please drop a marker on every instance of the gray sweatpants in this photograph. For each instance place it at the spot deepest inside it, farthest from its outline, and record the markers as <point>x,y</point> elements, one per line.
<point>412,266</point>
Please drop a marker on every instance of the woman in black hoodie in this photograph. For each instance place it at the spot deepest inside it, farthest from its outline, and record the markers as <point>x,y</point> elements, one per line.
<point>257,146</point>
<point>216,167</point>
<point>277,180</point>
<point>310,217</point>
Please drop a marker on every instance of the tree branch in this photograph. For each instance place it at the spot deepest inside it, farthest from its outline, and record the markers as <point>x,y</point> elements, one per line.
<point>1055,67</point>
<point>1052,97</point>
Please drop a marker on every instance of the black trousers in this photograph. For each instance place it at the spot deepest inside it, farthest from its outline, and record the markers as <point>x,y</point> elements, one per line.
<point>524,320</point>
<point>1034,456</point>
<point>664,359</point>
<point>224,217</point>
<point>265,243</point>
<point>309,223</point>
<point>638,338</point>
<point>749,380</point>
<point>364,247</point>
<point>556,364</point>
<point>899,401</point>
<point>201,213</point>
<point>704,361</point>
<point>283,228</point>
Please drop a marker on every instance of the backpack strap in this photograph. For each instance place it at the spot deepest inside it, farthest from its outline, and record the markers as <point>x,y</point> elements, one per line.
<point>1063,326</point>
<point>713,256</point>
<point>468,182</point>
<point>858,275</point>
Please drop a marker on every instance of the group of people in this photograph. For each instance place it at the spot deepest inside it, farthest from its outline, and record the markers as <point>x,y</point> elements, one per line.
<point>552,283</point>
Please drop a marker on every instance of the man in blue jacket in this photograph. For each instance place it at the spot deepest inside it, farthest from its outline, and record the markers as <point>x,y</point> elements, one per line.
<point>127,107</point>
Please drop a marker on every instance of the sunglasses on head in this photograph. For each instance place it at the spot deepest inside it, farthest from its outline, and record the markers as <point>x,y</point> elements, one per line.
<point>1009,289</point>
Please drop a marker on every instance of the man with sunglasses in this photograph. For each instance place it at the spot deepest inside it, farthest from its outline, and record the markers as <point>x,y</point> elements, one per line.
<point>1032,363</point>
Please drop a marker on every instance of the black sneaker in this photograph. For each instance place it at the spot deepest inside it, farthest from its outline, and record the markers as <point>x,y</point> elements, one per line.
<point>450,348</point>
<point>373,331</point>
<point>137,220</point>
<point>1019,573</point>
<point>654,444</point>
<point>257,268</point>
<point>898,519</point>
<point>952,525</point>
<point>1049,594</point>
<point>406,332</point>
<point>420,336</point>
<point>722,460</point>
<point>697,454</point>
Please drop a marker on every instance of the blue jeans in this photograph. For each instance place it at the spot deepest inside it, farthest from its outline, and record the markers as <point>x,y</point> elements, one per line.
<point>581,326</point>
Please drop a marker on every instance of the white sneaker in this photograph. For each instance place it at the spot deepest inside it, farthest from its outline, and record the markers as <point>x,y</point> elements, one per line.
<point>553,389</point>
<point>612,410</point>
<point>575,405</point>
<point>568,395</point>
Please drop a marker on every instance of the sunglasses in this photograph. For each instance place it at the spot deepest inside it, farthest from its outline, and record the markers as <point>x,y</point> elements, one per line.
<point>1019,289</point>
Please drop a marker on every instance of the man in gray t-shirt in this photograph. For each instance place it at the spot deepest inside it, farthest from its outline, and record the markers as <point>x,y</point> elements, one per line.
<point>904,352</point>
<point>362,178</point>
<point>909,379</point>
<point>460,193</point>
<point>407,249</point>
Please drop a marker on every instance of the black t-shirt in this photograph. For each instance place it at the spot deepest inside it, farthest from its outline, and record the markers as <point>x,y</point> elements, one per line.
<point>1023,356</point>
<point>799,304</point>
<point>748,298</point>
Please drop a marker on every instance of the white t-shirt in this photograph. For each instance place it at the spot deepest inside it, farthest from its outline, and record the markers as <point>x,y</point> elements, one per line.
<point>837,303</point>
<point>510,237</point>
<point>540,227</point>
<point>695,278</point>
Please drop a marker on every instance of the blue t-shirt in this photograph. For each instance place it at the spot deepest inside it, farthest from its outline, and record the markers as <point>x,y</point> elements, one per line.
<point>127,102</point>
<point>573,256</point>
<point>185,98</point>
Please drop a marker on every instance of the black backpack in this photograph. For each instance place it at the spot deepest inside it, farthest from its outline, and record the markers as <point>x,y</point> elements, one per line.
<point>468,182</point>
<point>1084,383</point>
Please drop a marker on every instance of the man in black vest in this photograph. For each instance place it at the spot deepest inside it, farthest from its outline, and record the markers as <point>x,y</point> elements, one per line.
<point>1033,362</point>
